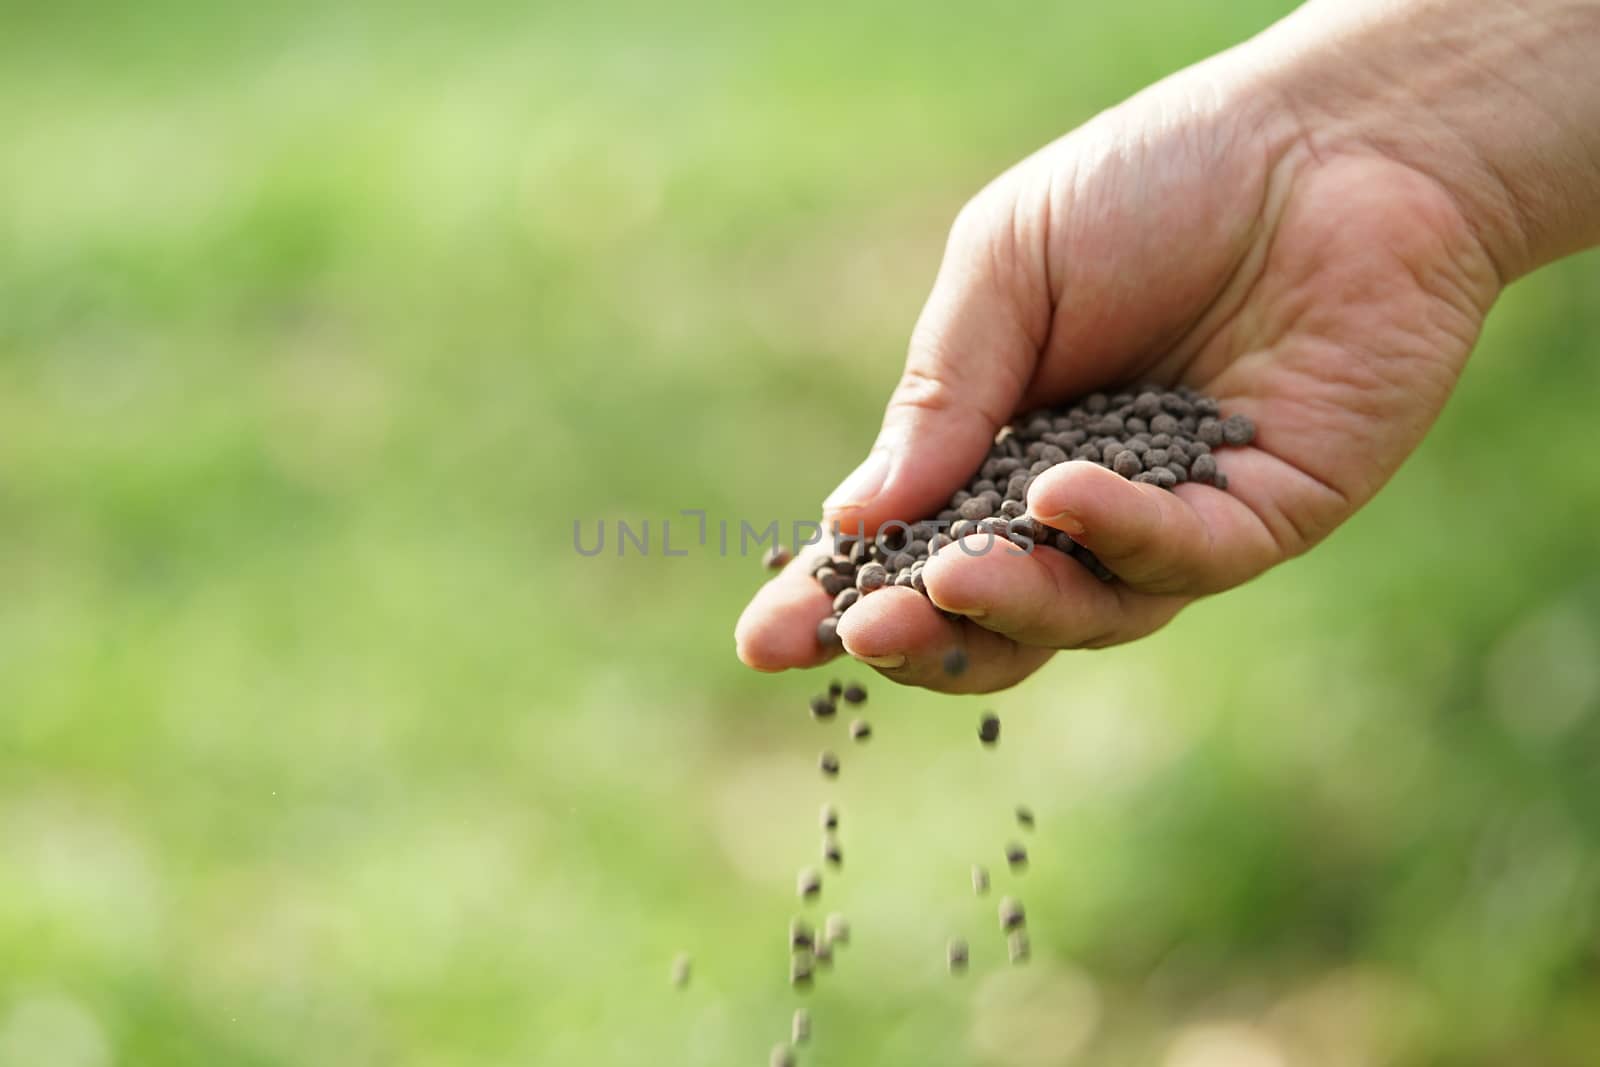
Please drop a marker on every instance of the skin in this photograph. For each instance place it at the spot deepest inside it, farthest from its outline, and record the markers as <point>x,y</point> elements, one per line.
<point>1310,227</point>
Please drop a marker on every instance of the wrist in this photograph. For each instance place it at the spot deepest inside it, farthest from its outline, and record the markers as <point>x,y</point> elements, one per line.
<point>1497,102</point>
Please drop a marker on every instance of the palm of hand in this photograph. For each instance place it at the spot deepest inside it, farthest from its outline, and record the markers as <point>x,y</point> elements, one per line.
<point>1327,292</point>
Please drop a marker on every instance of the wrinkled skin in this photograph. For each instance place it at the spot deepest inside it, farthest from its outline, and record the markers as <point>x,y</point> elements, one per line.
<point>1208,231</point>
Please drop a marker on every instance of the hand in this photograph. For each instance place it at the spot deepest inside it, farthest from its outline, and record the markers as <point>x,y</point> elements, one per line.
<point>1214,231</point>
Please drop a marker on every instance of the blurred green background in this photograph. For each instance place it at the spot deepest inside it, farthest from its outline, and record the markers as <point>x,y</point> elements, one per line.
<point>319,324</point>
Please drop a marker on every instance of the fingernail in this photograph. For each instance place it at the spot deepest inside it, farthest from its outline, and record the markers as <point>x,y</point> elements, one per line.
<point>1066,522</point>
<point>864,483</point>
<point>885,663</point>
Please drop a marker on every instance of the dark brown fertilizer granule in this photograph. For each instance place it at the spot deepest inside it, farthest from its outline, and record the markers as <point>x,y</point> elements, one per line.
<point>1017,857</point>
<point>831,852</point>
<point>955,662</point>
<point>1150,434</point>
<point>1024,816</point>
<point>776,558</point>
<point>828,764</point>
<point>681,967</point>
<point>782,1055</point>
<point>800,935</point>
<point>860,729</point>
<point>956,956</point>
<point>1017,946</point>
<point>822,707</point>
<point>829,817</point>
<point>808,884</point>
<point>828,633</point>
<point>854,694</point>
<point>800,1028</point>
<point>802,965</point>
<point>836,929</point>
<point>1012,915</point>
<point>835,690</point>
<point>989,728</point>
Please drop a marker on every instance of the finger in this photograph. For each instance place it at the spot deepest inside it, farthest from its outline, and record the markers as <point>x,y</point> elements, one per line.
<point>1195,540</point>
<point>971,356</point>
<point>900,633</point>
<point>778,629</point>
<point>1041,598</point>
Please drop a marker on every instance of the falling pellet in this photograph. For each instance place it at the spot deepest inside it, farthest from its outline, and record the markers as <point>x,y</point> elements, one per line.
<point>980,879</point>
<point>681,966</point>
<point>801,966</point>
<point>829,817</point>
<point>956,956</point>
<point>808,883</point>
<point>1024,816</point>
<point>800,1030</point>
<point>836,929</point>
<point>800,934</point>
<point>1012,914</point>
<point>1017,857</point>
<point>828,764</point>
<point>782,1056</point>
<point>860,729</point>
<point>955,662</point>
<point>1017,946</point>
<point>989,728</point>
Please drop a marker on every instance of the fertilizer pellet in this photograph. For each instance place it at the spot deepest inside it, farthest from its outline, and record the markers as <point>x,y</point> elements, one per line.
<point>681,967</point>
<point>846,600</point>
<point>1238,430</point>
<point>822,708</point>
<point>1149,434</point>
<point>833,583</point>
<point>980,879</point>
<point>1012,914</point>
<point>800,1029</point>
<point>871,577</point>
<point>1017,946</point>
<point>956,956</point>
<point>854,694</point>
<point>860,729</point>
<point>955,662</point>
<point>808,883</point>
<point>776,558</point>
<point>801,936</point>
<point>1017,857</point>
<point>836,929</point>
<point>782,1056</point>
<point>835,690</point>
<point>989,728</point>
<point>828,632</point>
<point>831,852</point>
<point>829,817</point>
<point>823,954</point>
<point>1024,816</point>
<point>828,764</point>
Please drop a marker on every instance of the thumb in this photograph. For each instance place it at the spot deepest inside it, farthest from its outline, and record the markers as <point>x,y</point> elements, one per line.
<point>972,356</point>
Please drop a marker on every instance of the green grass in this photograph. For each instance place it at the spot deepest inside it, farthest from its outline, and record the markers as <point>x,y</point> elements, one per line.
<point>318,743</point>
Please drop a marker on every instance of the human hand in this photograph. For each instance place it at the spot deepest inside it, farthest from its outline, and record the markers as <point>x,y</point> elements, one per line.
<point>1324,276</point>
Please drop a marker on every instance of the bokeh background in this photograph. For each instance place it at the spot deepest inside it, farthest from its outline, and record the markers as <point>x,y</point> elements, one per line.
<point>319,326</point>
